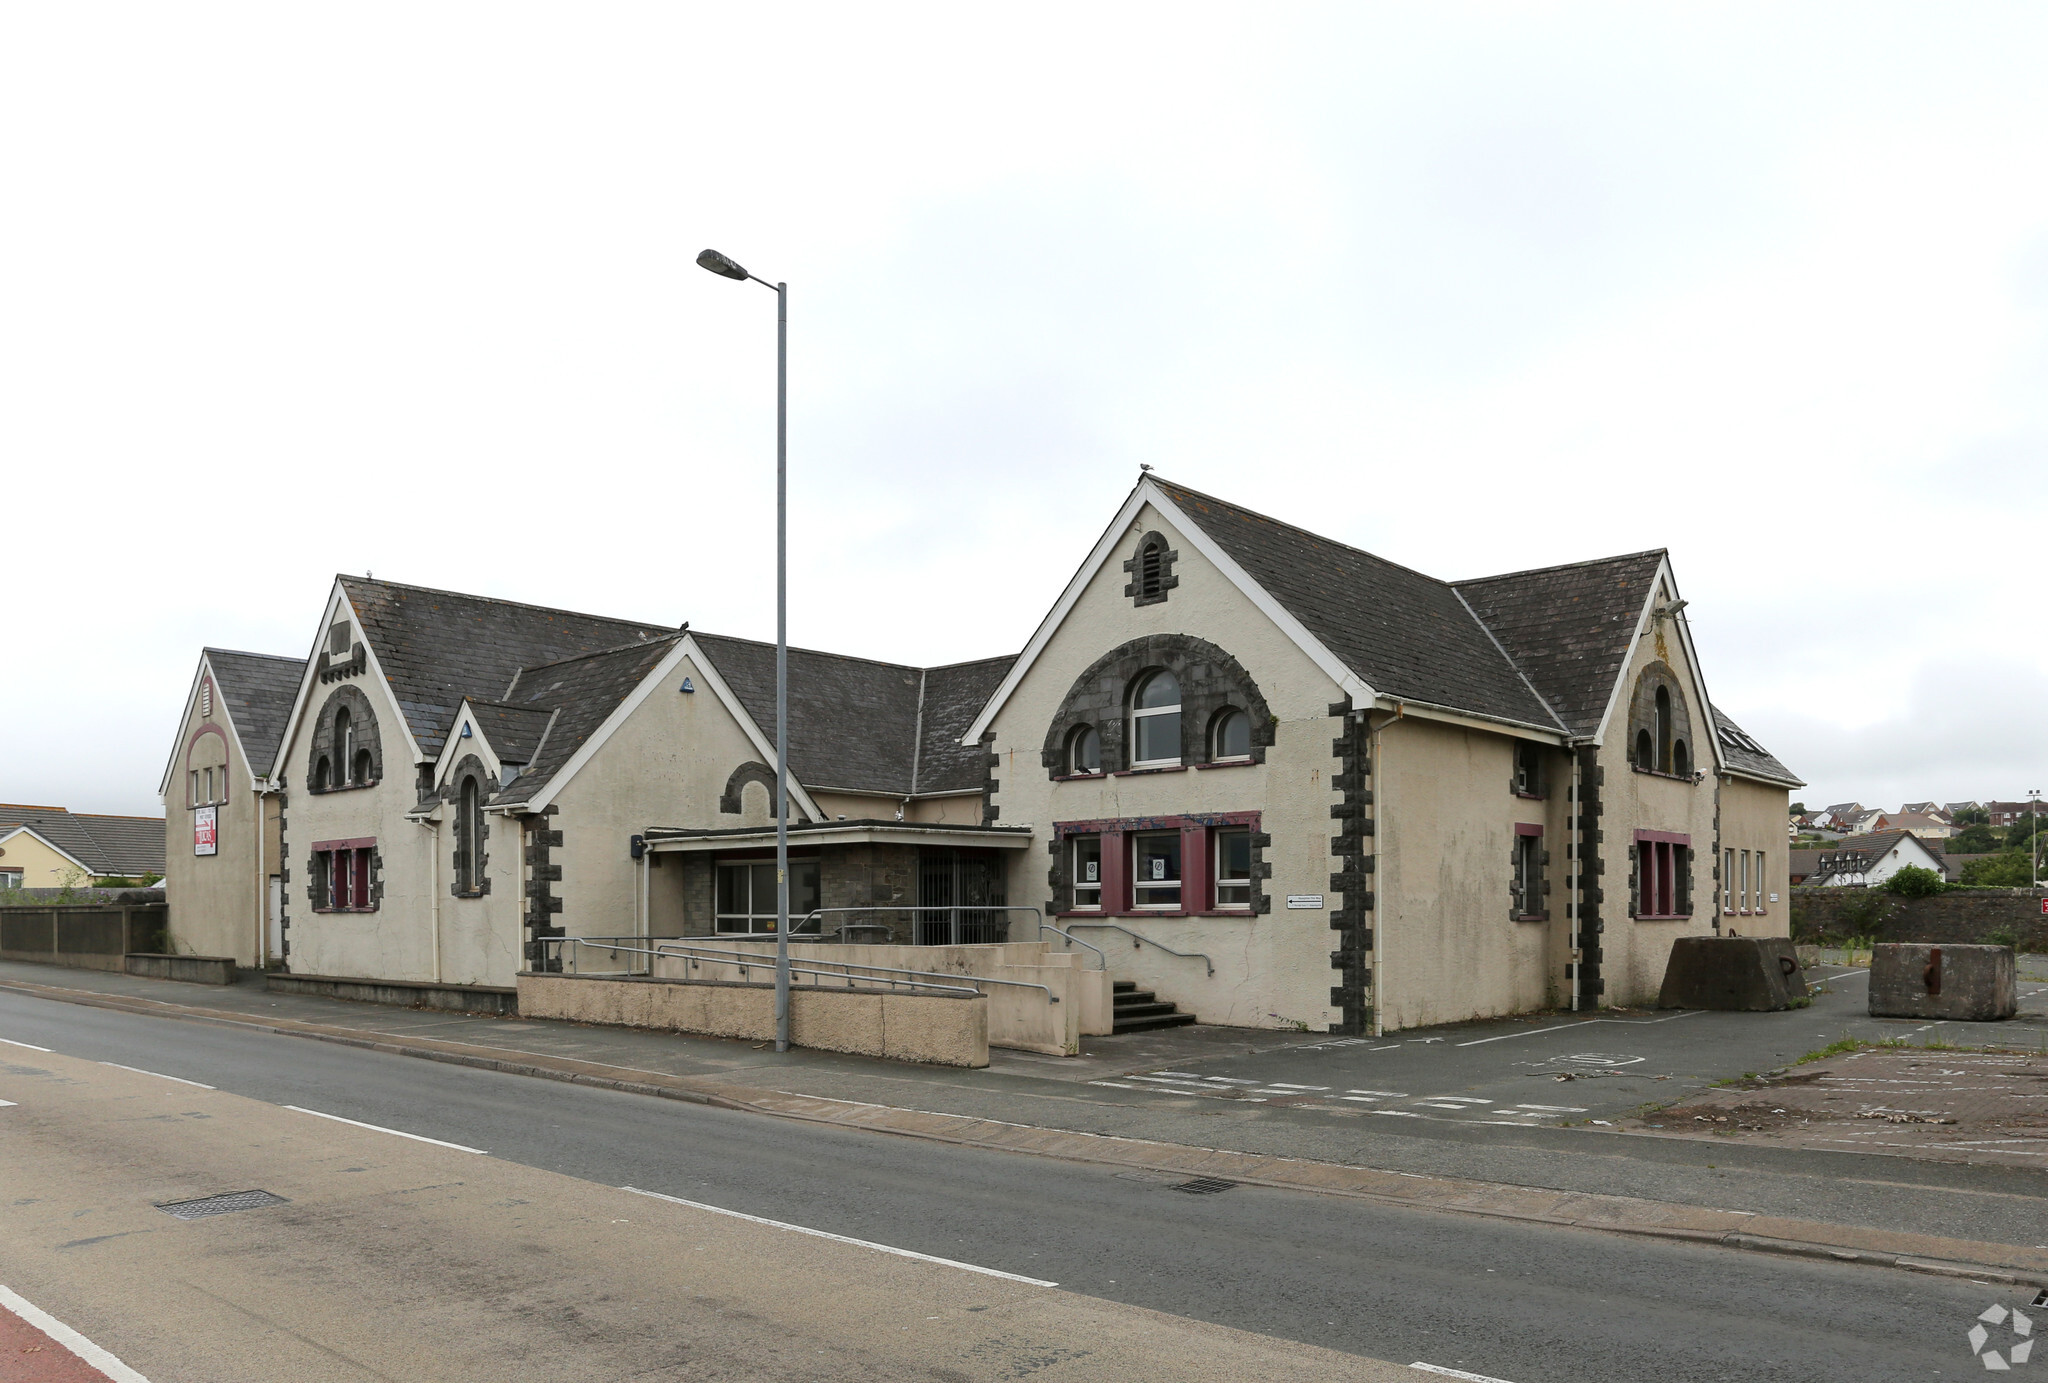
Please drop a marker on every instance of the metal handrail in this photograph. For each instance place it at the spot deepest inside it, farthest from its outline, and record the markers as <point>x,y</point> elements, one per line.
<point>817,914</point>
<point>1137,937</point>
<point>750,960</point>
<point>1045,926</point>
<point>847,967</point>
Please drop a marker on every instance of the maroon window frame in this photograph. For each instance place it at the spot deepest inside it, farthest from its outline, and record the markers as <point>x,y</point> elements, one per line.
<point>346,864</point>
<point>1197,867</point>
<point>1659,866</point>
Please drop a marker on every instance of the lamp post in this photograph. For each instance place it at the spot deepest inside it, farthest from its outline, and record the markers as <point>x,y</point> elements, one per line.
<point>2034,821</point>
<point>719,264</point>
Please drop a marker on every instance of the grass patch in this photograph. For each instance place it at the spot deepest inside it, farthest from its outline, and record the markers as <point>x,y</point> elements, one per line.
<point>1847,1044</point>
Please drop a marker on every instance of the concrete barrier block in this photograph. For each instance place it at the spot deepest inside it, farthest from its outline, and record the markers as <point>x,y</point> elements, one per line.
<point>1752,974</point>
<point>1970,984</point>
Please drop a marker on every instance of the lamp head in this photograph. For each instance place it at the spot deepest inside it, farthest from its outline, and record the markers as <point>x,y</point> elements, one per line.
<point>719,264</point>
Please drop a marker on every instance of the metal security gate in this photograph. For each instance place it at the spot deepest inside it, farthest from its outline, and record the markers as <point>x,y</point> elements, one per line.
<point>969,884</point>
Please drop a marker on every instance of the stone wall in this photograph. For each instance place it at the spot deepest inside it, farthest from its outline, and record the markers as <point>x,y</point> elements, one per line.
<point>1974,916</point>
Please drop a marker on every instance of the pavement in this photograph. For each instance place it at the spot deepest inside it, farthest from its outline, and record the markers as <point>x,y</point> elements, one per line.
<point>512,1245</point>
<point>1527,1105</point>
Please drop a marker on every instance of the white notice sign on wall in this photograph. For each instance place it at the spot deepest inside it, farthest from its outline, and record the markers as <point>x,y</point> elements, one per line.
<point>1304,900</point>
<point>204,839</point>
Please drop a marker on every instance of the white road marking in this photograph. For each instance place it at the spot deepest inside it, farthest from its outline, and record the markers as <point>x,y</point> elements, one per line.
<point>64,1335</point>
<point>1456,1373</point>
<point>1459,1108</point>
<point>1459,1099</point>
<point>6,1104</point>
<point>158,1074</point>
<point>1583,1022</point>
<point>842,1239</point>
<point>1553,1108</point>
<point>1283,1085</point>
<point>1360,1099</point>
<point>379,1128</point>
<point>30,1045</point>
<point>1116,1085</point>
<point>1383,1094</point>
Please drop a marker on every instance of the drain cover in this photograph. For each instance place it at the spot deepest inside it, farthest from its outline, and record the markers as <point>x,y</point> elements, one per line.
<point>222,1205</point>
<point>1205,1186</point>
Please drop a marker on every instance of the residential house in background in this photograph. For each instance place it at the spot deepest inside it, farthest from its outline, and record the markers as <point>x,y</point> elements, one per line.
<point>1954,809</point>
<point>52,847</point>
<point>2012,813</point>
<point>1868,860</point>
<point>221,836</point>
<point>1921,824</point>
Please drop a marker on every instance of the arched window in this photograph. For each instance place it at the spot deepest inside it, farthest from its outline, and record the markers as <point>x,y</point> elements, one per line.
<point>1084,750</point>
<point>469,831</point>
<point>1663,764</point>
<point>323,775</point>
<point>1646,751</point>
<point>1230,735</point>
<point>363,770</point>
<point>344,741</point>
<point>1155,722</point>
<point>1681,761</point>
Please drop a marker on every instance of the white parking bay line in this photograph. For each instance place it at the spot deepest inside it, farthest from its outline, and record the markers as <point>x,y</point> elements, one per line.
<point>30,1045</point>
<point>158,1074</point>
<point>1460,1099</point>
<point>379,1128</point>
<point>64,1335</point>
<point>842,1239</point>
<point>1116,1085</point>
<point>1456,1373</point>
<point>1383,1094</point>
<point>1553,1108</point>
<point>1283,1085</point>
<point>6,1104</point>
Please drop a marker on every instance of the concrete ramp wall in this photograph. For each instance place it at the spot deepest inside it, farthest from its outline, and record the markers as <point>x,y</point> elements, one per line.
<point>939,1029</point>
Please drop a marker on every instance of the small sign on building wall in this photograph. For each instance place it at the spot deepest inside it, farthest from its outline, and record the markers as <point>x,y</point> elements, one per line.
<point>1304,900</point>
<point>205,836</point>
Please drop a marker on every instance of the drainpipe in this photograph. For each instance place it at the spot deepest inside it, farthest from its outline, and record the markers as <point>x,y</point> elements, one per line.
<point>1380,888</point>
<point>257,800</point>
<point>1575,806</point>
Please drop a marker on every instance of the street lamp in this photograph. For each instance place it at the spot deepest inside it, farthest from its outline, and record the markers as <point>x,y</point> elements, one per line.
<point>719,264</point>
<point>2034,821</point>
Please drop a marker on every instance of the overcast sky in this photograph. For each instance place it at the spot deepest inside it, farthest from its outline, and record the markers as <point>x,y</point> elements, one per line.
<point>289,290</point>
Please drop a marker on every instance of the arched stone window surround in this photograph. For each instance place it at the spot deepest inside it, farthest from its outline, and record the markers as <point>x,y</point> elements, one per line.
<point>195,760</point>
<point>1210,679</point>
<point>1660,729</point>
<point>472,856</point>
<point>732,801</point>
<point>1151,568</point>
<point>363,720</point>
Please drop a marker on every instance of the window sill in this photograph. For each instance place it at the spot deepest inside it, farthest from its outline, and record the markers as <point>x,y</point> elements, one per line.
<point>1244,914</point>
<point>324,912</point>
<point>344,787</point>
<point>1532,796</point>
<point>1078,777</point>
<point>1136,772</point>
<point>1693,778</point>
<point>1229,763</point>
<point>1532,917</point>
<point>1663,917</point>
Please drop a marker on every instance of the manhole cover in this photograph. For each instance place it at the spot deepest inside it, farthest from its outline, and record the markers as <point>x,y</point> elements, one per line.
<point>221,1205</point>
<point>1204,1186</point>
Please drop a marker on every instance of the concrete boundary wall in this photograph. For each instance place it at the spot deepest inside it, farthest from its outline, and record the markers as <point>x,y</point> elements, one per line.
<point>453,998</point>
<point>937,1029</point>
<point>187,969</point>
<point>1965,917</point>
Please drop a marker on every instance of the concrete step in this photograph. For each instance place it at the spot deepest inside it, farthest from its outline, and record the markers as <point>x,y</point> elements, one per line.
<point>1151,1010</point>
<point>1147,1024</point>
<point>1133,996</point>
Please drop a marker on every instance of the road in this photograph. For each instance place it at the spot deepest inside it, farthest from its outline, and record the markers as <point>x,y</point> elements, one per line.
<point>1527,1304</point>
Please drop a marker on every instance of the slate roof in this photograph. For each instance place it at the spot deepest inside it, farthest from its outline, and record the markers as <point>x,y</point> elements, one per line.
<point>1407,634</point>
<point>436,647</point>
<point>1745,755</point>
<point>258,690</point>
<point>580,693</point>
<point>864,725</point>
<point>1877,844</point>
<point>1542,648</point>
<point>514,731</point>
<point>108,846</point>
<point>1569,628</point>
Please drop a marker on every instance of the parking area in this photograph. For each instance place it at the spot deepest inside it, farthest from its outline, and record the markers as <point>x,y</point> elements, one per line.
<point>1593,1070</point>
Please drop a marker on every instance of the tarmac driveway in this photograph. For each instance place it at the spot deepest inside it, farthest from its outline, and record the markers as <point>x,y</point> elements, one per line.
<point>1545,1069</point>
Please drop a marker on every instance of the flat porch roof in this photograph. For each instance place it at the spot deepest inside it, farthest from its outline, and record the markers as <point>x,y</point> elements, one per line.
<point>669,839</point>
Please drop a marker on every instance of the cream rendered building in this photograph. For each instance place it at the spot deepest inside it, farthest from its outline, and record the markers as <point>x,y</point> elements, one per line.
<point>1272,778</point>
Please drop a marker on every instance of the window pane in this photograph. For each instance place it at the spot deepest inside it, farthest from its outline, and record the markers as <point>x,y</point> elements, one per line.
<point>1160,689</point>
<point>765,901</point>
<point>1233,869</point>
<point>1234,736</point>
<point>1157,870</point>
<point>803,889</point>
<point>732,889</point>
<point>1158,736</point>
<point>1087,751</point>
<point>1087,871</point>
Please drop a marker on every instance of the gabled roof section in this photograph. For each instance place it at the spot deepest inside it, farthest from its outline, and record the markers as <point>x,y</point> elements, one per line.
<point>435,647</point>
<point>1569,628</point>
<point>1877,844</point>
<point>580,694</point>
<point>258,690</point>
<point>118,846</point>
<point>1744,755</point>
<point>1407,634</point>
<point>952,696</point>
<point>514,731</point>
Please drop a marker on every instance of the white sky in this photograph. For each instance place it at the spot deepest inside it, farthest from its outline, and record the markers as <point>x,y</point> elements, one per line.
<point>288,290</point>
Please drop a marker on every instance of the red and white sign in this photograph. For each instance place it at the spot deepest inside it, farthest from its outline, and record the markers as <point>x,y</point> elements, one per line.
<point>2044,905</point>
<point>205,835</point>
